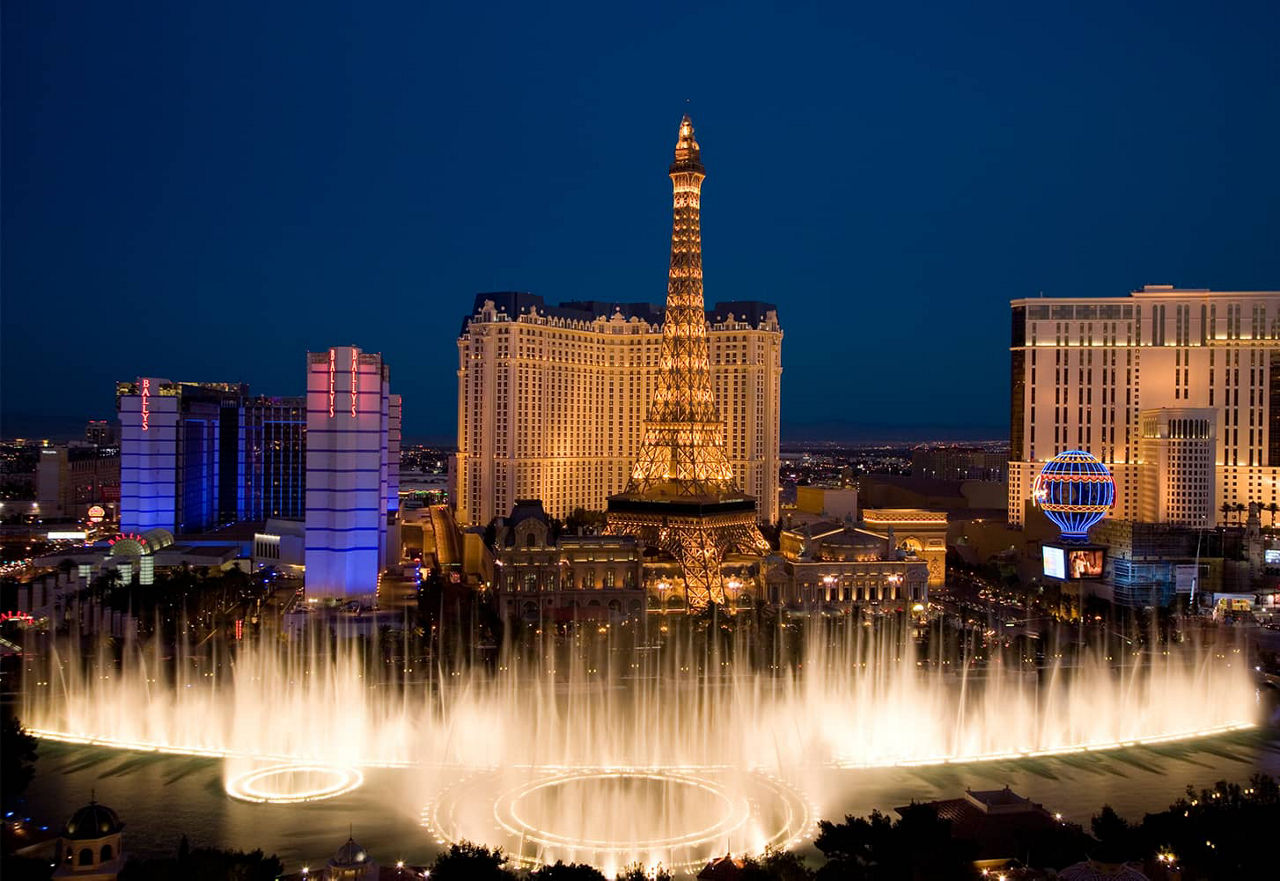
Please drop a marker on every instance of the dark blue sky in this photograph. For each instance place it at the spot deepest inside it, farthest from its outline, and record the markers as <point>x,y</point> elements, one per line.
<point>207,190</point>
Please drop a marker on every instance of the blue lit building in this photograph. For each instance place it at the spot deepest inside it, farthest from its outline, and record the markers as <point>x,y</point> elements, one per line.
<point>273,460</point>
<point>179,455</point>
<point>352,423</point>
<point>197,456</point>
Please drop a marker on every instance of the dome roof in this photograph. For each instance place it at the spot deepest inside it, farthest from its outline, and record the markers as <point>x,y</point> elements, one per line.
<point>92,821</point>
<point>349,855</point>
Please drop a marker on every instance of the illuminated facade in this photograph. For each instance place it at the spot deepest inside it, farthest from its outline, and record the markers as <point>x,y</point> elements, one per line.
<point>543,572</point>
<point>1175,471</point>
<point>349,426</point>
<point>682,496</point>
<point>552,400</point>
<point>198,455</point>
<point>395,409</point>
<point>1084,370</point>
<point>916,533</point>
<point>71,478</point>
<point>274,457</point>
<point>838,566</point>
<point>179,455</point>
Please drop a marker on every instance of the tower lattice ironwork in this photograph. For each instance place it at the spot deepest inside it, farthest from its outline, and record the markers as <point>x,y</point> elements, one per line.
<point>682,497</point>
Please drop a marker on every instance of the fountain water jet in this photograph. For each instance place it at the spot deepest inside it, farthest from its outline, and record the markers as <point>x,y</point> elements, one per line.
<point>688,732</point>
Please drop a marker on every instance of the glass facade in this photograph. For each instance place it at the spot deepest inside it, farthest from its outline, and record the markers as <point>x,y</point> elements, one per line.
<point>197,456</point>
<point>274,443</point>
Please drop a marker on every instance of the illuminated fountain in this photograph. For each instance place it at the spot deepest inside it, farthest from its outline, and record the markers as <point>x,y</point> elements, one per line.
<point>678,753</point>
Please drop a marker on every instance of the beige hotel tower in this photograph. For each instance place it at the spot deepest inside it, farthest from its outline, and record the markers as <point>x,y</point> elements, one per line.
<point>1177,391</point>
<point>553,400</point>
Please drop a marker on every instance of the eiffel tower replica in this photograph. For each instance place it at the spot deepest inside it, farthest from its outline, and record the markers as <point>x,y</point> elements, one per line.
<point>681,497</point>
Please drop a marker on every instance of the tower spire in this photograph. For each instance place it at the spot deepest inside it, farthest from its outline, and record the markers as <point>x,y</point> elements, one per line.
<point>682,459</point>
<point>683,450</point>
<point>686,147</point>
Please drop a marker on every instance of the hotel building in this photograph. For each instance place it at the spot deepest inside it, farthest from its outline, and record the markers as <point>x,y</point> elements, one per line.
<point>178,456</point>
<point>198,455</point>
<point>1176,390</point>
<point>349,474</point>
<point>552,400</point>
<point>274,457</point>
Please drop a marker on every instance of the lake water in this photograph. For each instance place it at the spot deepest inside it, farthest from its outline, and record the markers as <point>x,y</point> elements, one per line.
<point>161,797</point>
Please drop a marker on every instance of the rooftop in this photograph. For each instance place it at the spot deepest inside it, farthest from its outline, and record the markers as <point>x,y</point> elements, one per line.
<point>1149,291</point>
<point>517,303</point>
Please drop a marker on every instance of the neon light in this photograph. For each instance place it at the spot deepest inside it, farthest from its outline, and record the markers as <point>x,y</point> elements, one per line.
<point>332,391</point>
<point>254,787</point>
<point>1075,491</point>
<point>355,383</point>
<point>124,536</point>
<point>146,405</point>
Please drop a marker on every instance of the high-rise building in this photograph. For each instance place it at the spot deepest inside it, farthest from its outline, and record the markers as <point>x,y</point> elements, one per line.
<point>197,455</point>
<point>349,426</point>
<point>274,457</point>
<point>1085,369</point>
<point>395,407</point>
<point>682,496</point>
<point>179,454</point>
<point>101,432</point>
<point>1175,465</point>
<point>552,400</point>
<point>70,478</point>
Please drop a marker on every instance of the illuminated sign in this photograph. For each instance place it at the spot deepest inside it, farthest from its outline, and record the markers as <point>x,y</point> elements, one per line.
<point>128,536</point>
<point>239,628</point>
<point>67,536</point>
<point>1084,563</point>
<point>146,404</point>
<point>1184,578</point>
<point>1272,557</point>
<point>332,390</point>
<point>355,383</point>
<point>1073,563</point>
<point>1055,562</point>
<point>97,513</point>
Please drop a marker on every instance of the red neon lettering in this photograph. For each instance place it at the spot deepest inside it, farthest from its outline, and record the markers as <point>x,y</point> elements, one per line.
<point>355,383</point>
<point>146,404</point>
<point>332,393</point>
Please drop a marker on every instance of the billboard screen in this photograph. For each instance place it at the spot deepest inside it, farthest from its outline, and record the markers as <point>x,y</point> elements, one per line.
<point>1055,562</point>
<point>1084,563</point>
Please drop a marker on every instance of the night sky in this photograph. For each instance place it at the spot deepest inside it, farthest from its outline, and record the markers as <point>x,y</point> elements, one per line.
<point>205,191</point>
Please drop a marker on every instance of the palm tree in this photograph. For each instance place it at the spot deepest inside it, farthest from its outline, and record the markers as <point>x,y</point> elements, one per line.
<point>1273,509</point>
<point>1239,508</point>
<point>1226,513</point>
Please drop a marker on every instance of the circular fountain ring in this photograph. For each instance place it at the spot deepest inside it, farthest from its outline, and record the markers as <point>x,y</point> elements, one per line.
<point>731,811</point>
<point>512,809</point>
<point>290,783</point>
